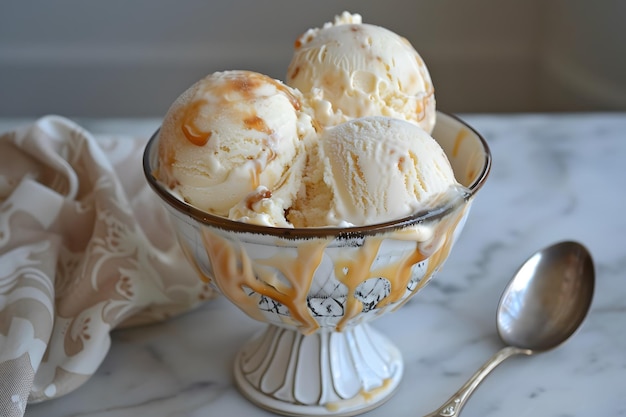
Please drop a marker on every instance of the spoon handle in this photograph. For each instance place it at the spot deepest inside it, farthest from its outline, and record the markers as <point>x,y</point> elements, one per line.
<point>455,403</point>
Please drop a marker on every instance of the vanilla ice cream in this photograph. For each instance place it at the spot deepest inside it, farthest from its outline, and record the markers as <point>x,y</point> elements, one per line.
<point>348,69</point>
<point>374,169</point>
<point>230,135</point>
<point>345,142</point>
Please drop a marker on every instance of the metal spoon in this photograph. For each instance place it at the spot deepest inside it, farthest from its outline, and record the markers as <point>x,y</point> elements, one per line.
<point>541,307</point>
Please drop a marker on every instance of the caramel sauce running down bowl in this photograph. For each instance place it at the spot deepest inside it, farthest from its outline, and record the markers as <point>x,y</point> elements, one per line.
<point>317,288</point>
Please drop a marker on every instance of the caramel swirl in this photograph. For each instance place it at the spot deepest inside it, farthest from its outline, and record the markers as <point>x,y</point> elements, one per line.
<point>234,86</point>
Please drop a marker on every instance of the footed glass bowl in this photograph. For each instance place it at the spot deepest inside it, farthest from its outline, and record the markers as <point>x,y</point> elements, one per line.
<point>318,288</point>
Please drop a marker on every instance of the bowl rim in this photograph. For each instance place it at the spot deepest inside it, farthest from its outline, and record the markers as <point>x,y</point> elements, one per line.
<point>350,232</point>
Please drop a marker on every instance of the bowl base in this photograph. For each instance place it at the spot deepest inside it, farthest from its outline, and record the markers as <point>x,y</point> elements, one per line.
<point>327,373</point>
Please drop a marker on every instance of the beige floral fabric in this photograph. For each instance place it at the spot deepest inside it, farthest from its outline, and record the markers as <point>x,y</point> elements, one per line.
<point>85,247</point>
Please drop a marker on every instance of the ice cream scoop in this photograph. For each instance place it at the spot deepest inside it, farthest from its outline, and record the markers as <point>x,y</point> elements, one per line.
<point>377,169</point>
<point>228,134</point>
<point>349,69</point>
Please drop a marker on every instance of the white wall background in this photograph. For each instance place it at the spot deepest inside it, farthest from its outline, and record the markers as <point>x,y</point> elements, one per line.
<point>124,58</point>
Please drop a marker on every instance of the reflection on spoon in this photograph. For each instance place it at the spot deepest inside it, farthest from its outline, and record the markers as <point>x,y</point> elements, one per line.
<point>541,307</point>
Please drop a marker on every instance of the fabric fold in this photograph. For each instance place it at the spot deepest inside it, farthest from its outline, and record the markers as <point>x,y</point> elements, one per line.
<point>85,247</point>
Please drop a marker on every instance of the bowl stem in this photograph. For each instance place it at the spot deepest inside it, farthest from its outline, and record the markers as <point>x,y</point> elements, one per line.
<point>326,373</point>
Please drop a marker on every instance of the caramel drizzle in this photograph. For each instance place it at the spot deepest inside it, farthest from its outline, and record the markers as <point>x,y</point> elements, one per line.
<point>438,256</point>
<point>458,140</point>
<point>191,131</point>
<point>472,169</point>
<point>233,273</point>
<point>362,396</point>
<point>422,104</point>
<point>256,123</point>
<point>245,83</point>
<point>299,271</point>
<point>352,272</point>
<point>398,274</point>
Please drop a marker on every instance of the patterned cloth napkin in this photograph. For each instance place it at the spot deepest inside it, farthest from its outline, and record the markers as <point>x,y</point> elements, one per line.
<point>85,247</point>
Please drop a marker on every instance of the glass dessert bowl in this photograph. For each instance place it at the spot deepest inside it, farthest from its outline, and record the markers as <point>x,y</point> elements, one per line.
<point>318,288</point>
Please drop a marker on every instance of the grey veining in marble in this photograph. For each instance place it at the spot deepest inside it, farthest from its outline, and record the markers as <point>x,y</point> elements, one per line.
<point>554,177</point>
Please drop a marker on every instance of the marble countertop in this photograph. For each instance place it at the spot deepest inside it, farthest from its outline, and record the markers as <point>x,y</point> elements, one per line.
<point>554,177</point>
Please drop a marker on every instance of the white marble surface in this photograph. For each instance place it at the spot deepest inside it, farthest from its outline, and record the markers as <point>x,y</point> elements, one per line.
<point>554,177</point>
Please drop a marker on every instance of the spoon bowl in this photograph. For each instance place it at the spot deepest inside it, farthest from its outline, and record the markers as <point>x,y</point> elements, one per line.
<point>548,298</point>
<point>545,303</point>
